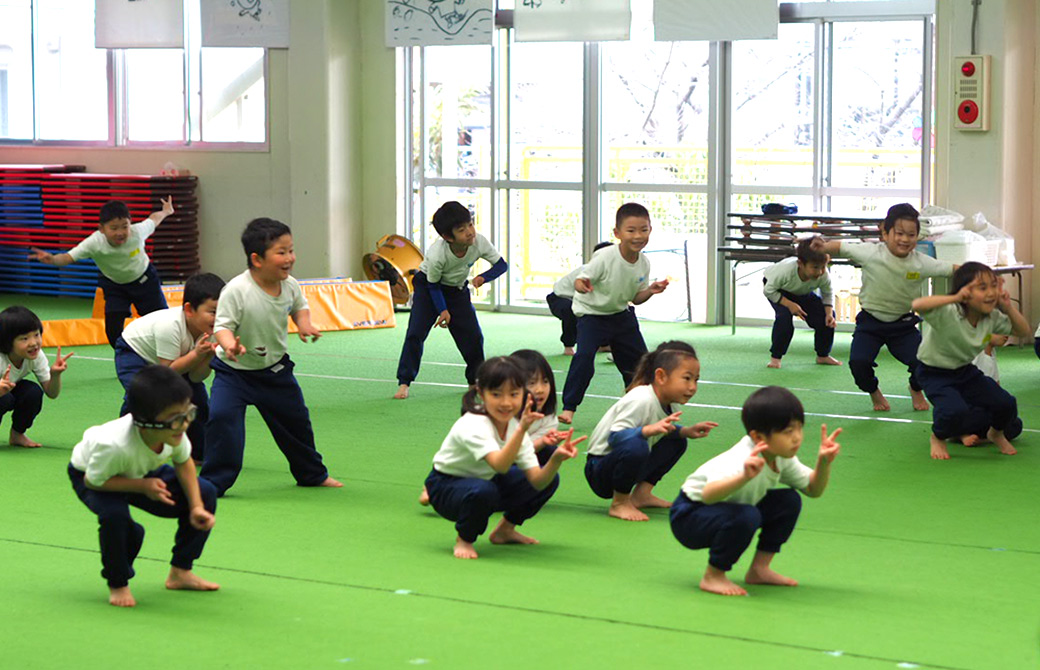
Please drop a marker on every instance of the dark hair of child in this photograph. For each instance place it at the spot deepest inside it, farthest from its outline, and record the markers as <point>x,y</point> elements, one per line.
<point>259,235</point>
<point>14,321</point>
<point>201,287</point>
<point>903,210</point>
<point>966,274</point>
<point>628,210</point>
<point>113,209</point>
<point>602,245</point>
<point>534,363</point>
<point>153,390</point>
<point>807,254</point>
<point>449,215</point>
<point>666,356</point>
<point>492,374</point>
<point>770,410</point>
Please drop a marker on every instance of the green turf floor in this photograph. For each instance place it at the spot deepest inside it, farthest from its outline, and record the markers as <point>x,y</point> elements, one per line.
<point>904,562</point>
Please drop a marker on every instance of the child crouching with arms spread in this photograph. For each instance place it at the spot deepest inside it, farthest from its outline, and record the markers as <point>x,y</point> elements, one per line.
<point>959,327</point>
<point>487,463</point>
<point>638,441</point>
<point>123,463</point>
<point>727,499</point>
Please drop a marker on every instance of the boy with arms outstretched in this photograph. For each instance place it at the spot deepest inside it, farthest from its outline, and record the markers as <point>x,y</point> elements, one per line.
<point>123,463</point>
<point>441,298</point>
<point>253,366</point>
<point>126,276</point>
<point>727,499</point>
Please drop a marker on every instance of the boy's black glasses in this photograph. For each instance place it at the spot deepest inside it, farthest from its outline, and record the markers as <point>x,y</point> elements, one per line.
<point>178,421</point>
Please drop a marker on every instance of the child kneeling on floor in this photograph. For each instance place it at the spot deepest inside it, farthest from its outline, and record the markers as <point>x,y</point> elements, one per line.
<point>123,463</point>
<point>727,499</point>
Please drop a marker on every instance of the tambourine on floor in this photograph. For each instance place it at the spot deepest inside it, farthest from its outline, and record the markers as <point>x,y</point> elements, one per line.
<point>395,260</point>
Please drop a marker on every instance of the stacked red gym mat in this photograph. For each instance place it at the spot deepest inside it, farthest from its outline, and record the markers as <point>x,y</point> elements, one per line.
<point>53,207</point>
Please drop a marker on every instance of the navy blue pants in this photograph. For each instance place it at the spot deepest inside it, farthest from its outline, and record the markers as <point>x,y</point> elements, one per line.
<point>621,332</point>
<point>144,293</point>
<point>726,529</point>
<point>121,537</point>
<point>815,317</point>
<point>632,461</point>
<point>470,502</point>
<point>561,309</point>
<point>464,329</point>
<point>129,363</point>
<point>901,337</point>
<point>963,400</point>
<point>24,402</point>
<point>277,396</point>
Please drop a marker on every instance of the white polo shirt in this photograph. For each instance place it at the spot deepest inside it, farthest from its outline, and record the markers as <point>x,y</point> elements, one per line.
<point>122,264</point>
<point>258,318</point>
<point>160,334</point>
<point>891,283</point>
<point>949,341</point>
<point>638,407</point>
<point>469,442</point>
<point>615,282</point>
<point>730,463</point>
<point>783,276</point>
<point>116,448</point>
<point>442,266</point>
<point>38,366</point>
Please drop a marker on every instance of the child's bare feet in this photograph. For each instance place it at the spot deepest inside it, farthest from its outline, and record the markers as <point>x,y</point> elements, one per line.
<point>971,440</point>
<point>566,416</point>
<point>938,447</point>
<point>827,360</point>
<point>773,363</point>
<point>621,507</point>
<point>424,497</point>
<point>643,497</point>
<point>186,580</point>
<point>121,597</point>
<point>880,401</point>
<point>402,392</point>
<point>331,483</point>
<point>568,351</point>
<point>464,549</point>
<point>716,581</point>
<point>917,397</point>
<point>997,437</point>
<point>761,573</point>
<point>506,533</point>
<point>21,440</point>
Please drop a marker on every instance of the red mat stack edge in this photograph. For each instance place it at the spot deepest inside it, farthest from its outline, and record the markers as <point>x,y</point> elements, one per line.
<point>53,207</point>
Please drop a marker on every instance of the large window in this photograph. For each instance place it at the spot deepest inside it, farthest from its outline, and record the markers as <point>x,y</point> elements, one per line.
<point>545,141</point>
<point>55,86</point>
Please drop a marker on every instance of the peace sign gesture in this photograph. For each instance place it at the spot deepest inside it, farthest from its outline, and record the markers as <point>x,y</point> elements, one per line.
<point>569,448</point>
<point>60,364</point>
<point>5,381</point>
<point>529,416</point>
<point>167,205</point>
<point>754,463</point>
<point>828,447</point>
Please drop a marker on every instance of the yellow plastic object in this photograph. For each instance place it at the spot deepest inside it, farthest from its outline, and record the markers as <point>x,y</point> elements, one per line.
<point>396,260</point>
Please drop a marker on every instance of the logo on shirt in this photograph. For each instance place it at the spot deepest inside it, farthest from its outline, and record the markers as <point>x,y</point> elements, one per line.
<point>641,279</point>
<point>913,275</point>
<point>134,252</point>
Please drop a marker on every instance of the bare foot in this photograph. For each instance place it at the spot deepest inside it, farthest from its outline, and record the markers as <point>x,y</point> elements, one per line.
<point>331,483</point>
<point>880,401</point>
<point>21,440</point>
<point>938,447</point>
<point>626,511</point>
<point>424,497</point>
<point>920,404</point>
<point>643,497</point>
<point>716,581</point>
<point>971,440</point>
<point>464,549</point>
<point>402,392</point>
<point>568,351</point>
<point>827,360</point>
<point>773,363</point>
<point>566,416</point>
<point>759,575</point>
<point>997,437</point>
<point>506,533</point>
<point>121,597</point>
<point>603,350</point>
<point>186,580</point>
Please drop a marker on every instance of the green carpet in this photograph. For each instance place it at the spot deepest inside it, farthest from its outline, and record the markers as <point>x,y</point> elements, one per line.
<point>904,562</point>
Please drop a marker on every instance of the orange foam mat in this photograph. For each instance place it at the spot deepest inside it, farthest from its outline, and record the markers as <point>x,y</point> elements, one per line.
<point>335,304</point>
